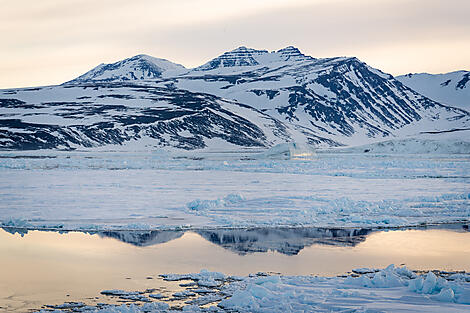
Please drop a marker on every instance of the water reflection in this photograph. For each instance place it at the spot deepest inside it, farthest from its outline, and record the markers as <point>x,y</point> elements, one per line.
<point>143,238</point>
<point>287,241</point>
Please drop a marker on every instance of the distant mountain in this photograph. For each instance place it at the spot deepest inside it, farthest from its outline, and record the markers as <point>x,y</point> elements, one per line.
<point>451,88</point>
<point>139,67</point>
<point>242,98</point>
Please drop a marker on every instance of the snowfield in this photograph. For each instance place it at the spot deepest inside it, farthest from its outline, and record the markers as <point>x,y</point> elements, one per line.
<point>147,190</point>
<point>393,289</point>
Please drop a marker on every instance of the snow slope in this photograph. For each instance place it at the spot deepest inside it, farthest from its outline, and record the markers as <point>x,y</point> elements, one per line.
<point>450,88</point>
<point>100,114</point>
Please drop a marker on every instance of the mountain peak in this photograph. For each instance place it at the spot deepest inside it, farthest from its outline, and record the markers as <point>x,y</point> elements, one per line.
<point>138,67</point>
<point>243,49</point>
<point>293,53</point>
<point>241,56</point>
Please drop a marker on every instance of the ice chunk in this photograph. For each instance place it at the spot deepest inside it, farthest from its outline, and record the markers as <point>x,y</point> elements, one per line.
<point>385,278</point>
<point>203,290</point>
<point>176,277</point>
<point>429,284</point>
<point>191,308</point>
<point>446,295</point>
<point>157,296</point>
<point>463,296</point>
<point>135,297</point>
<point>69,305</point>
<point>416,285</point>
<point>118,292</point>
<point>183,294</point>
<point>208,282</point>
<point>405,272</point>
<point>155,307</point>
<point>459,276</point>
<point>361,281</point>
<point>275,279</point>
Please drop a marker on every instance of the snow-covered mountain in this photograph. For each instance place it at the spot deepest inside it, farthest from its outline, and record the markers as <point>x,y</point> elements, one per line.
<point>451,88</point>
<point>242,98</point>
<point>342,100</point>
<point>139,67</point>
<point>244,56</point>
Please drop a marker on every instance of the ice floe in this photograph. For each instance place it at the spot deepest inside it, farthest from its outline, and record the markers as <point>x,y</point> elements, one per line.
<point>372,290</point>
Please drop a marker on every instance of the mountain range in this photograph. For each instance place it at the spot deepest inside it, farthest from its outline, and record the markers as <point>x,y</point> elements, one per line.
<point>244,98</point>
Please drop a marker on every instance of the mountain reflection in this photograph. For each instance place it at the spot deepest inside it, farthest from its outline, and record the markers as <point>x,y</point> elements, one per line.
<point>143,238</point>
<point>284,240</point>
<point>289,241</point>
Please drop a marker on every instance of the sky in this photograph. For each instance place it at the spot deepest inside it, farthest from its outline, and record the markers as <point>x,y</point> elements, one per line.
<point>52,41</point>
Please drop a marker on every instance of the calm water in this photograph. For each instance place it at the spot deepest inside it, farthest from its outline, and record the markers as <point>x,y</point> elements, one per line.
<point>49,268</point>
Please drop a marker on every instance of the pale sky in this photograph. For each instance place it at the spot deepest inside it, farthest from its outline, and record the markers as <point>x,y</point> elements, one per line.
<point>46,42</point>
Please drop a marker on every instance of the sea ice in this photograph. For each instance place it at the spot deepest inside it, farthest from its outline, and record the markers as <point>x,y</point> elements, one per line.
<point>386,290</point>
<point>118,191</point>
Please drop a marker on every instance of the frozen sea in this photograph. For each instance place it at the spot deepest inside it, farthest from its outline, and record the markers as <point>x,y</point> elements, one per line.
<point>123,190</point>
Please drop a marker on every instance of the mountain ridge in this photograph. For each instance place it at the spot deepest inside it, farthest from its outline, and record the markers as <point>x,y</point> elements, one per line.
<point>244,97</point>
